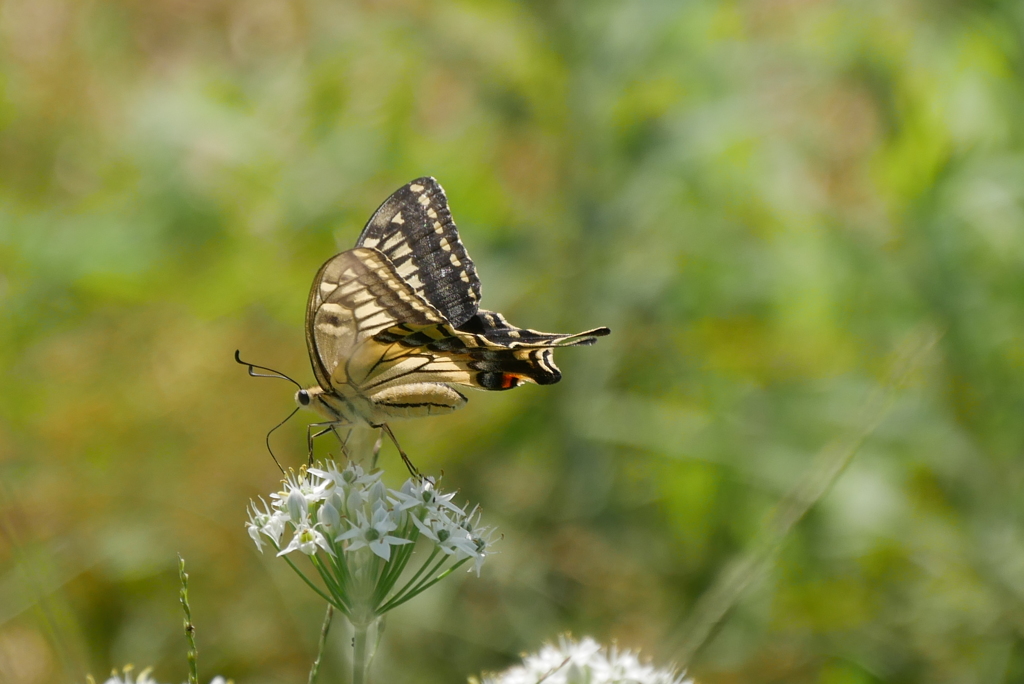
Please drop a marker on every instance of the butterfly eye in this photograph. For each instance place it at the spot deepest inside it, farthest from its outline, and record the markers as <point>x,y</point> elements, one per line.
<point>302,396</point>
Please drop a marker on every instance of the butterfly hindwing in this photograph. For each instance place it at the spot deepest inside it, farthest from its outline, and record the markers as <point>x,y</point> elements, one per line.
<point>484,360</point>
<point>414,229</point>
<point>497,330</point>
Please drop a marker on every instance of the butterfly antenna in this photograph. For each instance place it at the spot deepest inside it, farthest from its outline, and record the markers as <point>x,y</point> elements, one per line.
<point>272,373</point>
<point>294,411</point>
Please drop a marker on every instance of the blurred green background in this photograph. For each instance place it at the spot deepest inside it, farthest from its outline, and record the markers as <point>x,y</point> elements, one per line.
<point>764,199</point>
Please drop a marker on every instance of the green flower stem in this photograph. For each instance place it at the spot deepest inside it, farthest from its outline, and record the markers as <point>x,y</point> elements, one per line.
<point>398,562</point>
<point>332,584</point>
<point>417,588</point>
<point>315,588</point>
<point>381,621</point>
<point>407,593</point>
<point>340,566</point>
<point>360,661</point>
<point>415,577</point>
<point>377,570</point>
<point>423,587</point>
<point>397,601</point>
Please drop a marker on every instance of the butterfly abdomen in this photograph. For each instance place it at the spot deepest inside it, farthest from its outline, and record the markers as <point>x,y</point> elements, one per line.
<point>417,400</point>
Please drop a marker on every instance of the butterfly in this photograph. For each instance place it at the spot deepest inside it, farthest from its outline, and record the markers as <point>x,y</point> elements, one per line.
<point>394,325</point>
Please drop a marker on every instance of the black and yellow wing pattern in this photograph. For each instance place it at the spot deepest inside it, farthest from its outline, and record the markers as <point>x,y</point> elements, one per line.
<point>392,324</point>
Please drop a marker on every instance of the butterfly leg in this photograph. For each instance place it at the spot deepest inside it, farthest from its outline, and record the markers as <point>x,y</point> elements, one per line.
<point>310,436</point>
<point>343,443</point>
<point>405,458</point>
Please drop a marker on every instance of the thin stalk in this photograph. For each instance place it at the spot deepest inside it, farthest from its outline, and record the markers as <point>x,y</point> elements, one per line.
<point>398,562</point>
<point>380,566</point>
<point>379,633</point>
<point>423,586</point>
<point>341,570</point>
<point>360,661</point>
<point>332,584</point>
<point>399,600</point>
<point>323,642</point>
<point>410,589</point>
<point>190,630</point>
<point>427,576</point>
<point>315,588</point>
<point>416,577</point>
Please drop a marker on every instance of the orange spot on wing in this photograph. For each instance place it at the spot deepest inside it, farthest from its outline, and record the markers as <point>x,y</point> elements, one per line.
<point>509,380</point>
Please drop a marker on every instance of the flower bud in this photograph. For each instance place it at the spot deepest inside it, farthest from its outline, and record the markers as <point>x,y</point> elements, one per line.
<point>336,499</point>
<point>378,491</point>
<point>329,517</point>
<point>298,507</point>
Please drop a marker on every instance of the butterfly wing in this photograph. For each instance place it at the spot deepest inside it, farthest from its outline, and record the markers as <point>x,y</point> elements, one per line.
<point>493,327</point>
<point>414,229</point>
<point>357,294</point>
<point>494,355</point>
<point>368,329</point>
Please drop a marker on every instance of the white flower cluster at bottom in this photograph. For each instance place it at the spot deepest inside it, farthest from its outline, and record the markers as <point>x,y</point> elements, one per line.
<point>340,511</point>
<point>126,677</point>
<point>584,662</point>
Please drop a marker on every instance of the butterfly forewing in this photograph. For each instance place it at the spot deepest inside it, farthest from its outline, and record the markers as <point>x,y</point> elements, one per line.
<point>356,295</point>
<point>414,229</point>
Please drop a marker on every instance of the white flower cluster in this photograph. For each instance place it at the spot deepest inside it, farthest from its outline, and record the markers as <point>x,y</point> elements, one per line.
<point>584,662</point>
<point>126,677</point>
<point>342,511</point>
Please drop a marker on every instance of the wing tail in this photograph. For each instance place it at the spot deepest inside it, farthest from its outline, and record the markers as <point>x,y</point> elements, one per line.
<point>498,331</point>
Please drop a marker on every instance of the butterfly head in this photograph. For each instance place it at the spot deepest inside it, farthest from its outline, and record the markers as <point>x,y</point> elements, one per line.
<point>329,405</point>
<point>308,398</point>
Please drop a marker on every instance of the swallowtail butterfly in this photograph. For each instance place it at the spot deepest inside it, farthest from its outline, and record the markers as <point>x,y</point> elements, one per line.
<point>394,324</point>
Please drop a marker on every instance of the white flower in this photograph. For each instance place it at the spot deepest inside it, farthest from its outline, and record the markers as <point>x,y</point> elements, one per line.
<point>306,539</point>
<point>481,543</point>
<point>266,522</point>
<point>351,476</point>
<point>422,493</point>
<point>586,661</point>
<point>311,491</point>
<point>125,677</point>
<point>450,538</point>
<point>331,473</point>
<point>354,517</point>
<point>373,533</point>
